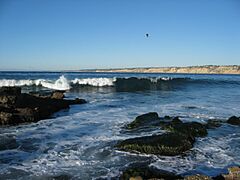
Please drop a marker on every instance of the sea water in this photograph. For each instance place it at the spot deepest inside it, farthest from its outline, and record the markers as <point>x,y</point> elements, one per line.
<point>79,142</point>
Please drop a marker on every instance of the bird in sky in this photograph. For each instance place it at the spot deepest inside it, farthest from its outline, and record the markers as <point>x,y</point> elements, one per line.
<point>147,35</point>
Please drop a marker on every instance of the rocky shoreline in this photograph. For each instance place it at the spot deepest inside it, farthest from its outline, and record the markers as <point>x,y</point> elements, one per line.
<point>208,69</point>
<point>17,107</point>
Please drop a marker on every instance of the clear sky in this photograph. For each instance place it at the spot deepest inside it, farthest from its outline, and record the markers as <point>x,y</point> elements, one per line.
<point>78,34</point>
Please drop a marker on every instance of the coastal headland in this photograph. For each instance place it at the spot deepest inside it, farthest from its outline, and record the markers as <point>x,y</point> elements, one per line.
<point>207,69</point>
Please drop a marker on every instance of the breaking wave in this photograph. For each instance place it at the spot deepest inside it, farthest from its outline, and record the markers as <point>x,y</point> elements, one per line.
<point>120,84</point>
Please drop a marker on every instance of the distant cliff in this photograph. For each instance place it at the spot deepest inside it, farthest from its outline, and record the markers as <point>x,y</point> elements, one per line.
<point>209,69</point>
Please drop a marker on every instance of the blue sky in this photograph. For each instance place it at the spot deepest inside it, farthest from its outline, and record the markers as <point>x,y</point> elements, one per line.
<point>79,34</point>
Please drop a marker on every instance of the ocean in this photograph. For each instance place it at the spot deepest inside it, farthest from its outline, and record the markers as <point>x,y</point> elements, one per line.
<point>79,142</point>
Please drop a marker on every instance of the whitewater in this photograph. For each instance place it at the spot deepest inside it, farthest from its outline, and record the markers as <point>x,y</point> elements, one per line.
<point>79,143</point>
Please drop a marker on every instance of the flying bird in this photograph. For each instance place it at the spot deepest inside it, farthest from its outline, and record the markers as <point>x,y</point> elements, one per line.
<point>147,35</point>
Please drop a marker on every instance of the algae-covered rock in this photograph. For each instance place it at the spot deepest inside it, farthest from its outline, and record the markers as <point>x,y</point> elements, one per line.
<point>142,171</point>
<point>234,120</point>
<point>148,119</point>
<point>192,129</point>
<point>169,144</point>
<point>197,177</point>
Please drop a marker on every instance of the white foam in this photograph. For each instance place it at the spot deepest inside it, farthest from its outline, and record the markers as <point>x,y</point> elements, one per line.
<point>13,82</point>
<point>95,81</point>
<point>59,84</point>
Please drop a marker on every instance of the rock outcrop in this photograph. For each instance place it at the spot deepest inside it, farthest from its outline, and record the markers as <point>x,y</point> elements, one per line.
<point>178,139</point>
<point>169,144</point>
<point>17,107</point>
<point>234,120</point>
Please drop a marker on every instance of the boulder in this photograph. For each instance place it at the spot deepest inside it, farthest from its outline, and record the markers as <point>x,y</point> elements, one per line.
<point>191,129</point>
<point>140,171</point>
<point>234,120</point>
<point>169,144</point>
<point>31,108</point>
<point>148,119</point>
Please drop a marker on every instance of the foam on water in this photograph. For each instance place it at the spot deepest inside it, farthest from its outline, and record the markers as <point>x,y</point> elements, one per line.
<point>99,82</point>
<point>59,84</point>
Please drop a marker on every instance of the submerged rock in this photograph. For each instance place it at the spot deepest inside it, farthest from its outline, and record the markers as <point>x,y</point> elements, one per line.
<point>169,144</point>
<point>234,120</point>
<point>148,119</point>
<point>20,108</point>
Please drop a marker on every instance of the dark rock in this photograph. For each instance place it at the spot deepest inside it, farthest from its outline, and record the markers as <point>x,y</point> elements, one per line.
<point>213,123</point>
<point>148,119</point>
<point>142,171</point>
<point>197,177</point>
<point>32,108</point>
<point>58,95</point>
<point>41,93</point>
<point>6,118</point>
<point>176,120</point>
<point>218,177</point>
<point>234,120</point>
<point>28,114</point>
<point>191,129</point>
<point>167,117</point>
<point>10,91</point>
<point>7,101</point>
<point>169,144</point>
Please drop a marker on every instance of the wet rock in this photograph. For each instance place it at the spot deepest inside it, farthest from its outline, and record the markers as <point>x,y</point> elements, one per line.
<point>6,118</point>
<point>233,173</point>
<point>176,120</point>
<point>141,171</point>
<point>58,95</point>
<point>234,120</point>
<point>169,144</point>
<point>197,177</point>
<point>213,123</point>
<point>191,129</point>
<point>148,119</point>
<point>32,108</point>
<point>10,91</point>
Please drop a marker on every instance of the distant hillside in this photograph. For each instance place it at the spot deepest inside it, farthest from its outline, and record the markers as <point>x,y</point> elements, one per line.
<point>208,69</point>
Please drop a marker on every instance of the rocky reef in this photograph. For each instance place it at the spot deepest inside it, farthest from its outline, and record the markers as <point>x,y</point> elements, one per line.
<point>17,107</point>
<point>178,138</point>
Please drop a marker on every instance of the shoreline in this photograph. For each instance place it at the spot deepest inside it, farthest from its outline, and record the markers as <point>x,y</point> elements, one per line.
<point>208,69</point>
